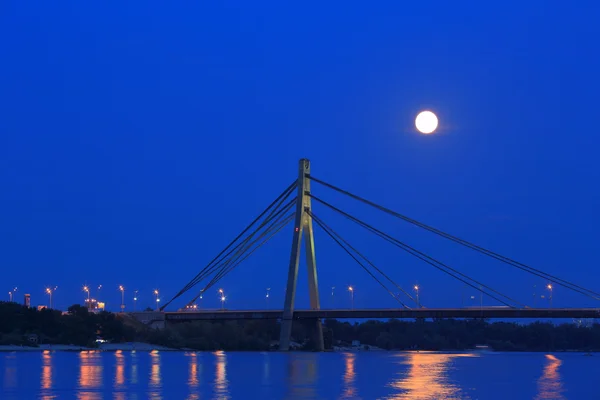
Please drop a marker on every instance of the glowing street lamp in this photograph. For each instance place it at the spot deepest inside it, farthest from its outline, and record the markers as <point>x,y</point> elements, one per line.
<point>11,294</point>
<point>50,291</point>
<point>157,299</point>
<point>87,289</point>
<point>135,292</point>
<point>549,287</point>
<point>122,290</point>
<point>351,290</point>
<point>416,287</point>
<point>267,296</point>
<point>222,298</point>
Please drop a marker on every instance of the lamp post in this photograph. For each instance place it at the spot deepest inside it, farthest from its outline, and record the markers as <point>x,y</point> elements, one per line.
<point>223,298</point>
<point>332,296</point>
<point>351,290</point>
<point>122,289</point>
<point>549,287</point>
<point>50,291</point>
<point>87,290</point>
<point>267,296</point>
<point>135,292</point>
<point>11,294</point>
<point>157,299</point>
<point>416,287</point>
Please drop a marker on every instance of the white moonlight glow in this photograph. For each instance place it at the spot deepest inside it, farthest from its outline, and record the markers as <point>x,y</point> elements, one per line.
<point>426,122</point>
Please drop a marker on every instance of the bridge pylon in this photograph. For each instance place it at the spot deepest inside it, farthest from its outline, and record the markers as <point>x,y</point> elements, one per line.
<point>303,226</point>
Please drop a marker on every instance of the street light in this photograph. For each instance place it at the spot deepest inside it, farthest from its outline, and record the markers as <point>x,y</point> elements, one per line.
<point>222,298</point>
<point>50,291</point>
<point>157,299</point>
<point>267,296</point>
<point>332,298</point>
<point>351,290</point>
<point>87,289</point>
<point>549,287</point>
<point>122,289</point>
<point>135,292</point>
<point>11,294</point>
<point>416,287</point>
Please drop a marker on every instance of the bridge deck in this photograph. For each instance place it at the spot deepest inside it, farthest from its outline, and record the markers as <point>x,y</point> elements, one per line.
<point>485,312</point>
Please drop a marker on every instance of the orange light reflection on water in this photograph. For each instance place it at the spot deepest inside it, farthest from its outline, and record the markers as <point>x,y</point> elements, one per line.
<point>550,384</point>
<point>46,380</point>
<point>155,375</point>
<point>193,381</point>
<point>349,377</point>
<point>221,383</point>
<point>90,375</point>
<point>193,370</point>
<point>427,377</point>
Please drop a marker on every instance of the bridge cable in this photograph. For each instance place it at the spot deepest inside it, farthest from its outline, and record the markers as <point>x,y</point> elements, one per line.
<point>240,249</point>
<point>489,253</point>
<point>275,210</point>
<point>424,257</point>
<point>333,236</point>
<point>273,219</point>
<point>240,246</point>
<point>283,195</point>
<point>221,255</point>
<point>273,230</point>
<point>322,223</point>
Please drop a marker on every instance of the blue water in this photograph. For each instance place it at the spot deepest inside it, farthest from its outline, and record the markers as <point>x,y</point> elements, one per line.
<point>365,375</point>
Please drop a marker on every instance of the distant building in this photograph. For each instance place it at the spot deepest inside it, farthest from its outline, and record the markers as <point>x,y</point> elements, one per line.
<point>94,305</point>
<point>40,308</point>
<point>27,300</point>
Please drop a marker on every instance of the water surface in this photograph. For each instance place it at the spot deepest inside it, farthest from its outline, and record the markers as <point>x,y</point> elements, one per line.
<point>364,375</point>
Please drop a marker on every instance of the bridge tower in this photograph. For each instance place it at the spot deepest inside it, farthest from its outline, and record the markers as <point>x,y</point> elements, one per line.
<point>303,226</point>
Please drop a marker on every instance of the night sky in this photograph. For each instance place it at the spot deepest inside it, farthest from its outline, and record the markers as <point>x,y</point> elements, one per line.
<point>136,140</point>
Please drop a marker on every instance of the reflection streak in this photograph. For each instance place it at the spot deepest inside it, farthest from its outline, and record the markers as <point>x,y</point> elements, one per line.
<point>349,377</point>
<point>120,370</point>
<point>221,383</point>
<point>193,380</point>
<point>155,376</point>
<point>550,384</point>
<point>90,375</point>
<point>10,372</point>
<point>302,376</point>
<point>427,377</point>
<point>46,380</point>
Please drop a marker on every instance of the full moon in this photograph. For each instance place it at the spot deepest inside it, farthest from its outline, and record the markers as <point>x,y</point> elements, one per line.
<point>426,122</point>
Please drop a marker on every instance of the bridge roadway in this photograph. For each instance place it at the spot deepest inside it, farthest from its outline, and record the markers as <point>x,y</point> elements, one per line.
<point>485,312</point>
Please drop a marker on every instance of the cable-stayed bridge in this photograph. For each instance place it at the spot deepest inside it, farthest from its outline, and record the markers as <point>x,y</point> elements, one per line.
<point>294,205</point>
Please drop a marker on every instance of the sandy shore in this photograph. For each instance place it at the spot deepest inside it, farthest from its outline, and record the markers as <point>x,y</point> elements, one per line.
<point>137,346</point>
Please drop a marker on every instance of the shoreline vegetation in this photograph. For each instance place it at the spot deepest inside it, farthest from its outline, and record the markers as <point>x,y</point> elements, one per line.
<point>28,329</point>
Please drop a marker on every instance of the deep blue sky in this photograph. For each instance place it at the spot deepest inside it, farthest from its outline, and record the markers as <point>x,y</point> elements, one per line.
<point>137,140</point>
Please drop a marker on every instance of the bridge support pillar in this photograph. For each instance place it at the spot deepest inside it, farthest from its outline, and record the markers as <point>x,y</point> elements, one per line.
<point>302,227</point>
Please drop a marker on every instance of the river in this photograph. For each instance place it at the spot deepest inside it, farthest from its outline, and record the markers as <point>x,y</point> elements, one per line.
<point>270,376</point>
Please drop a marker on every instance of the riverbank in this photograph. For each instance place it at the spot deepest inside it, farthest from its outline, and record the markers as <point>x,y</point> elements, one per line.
<point>131,346</point>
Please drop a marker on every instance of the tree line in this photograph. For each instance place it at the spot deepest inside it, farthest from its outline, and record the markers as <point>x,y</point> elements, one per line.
<point>82,328</point>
